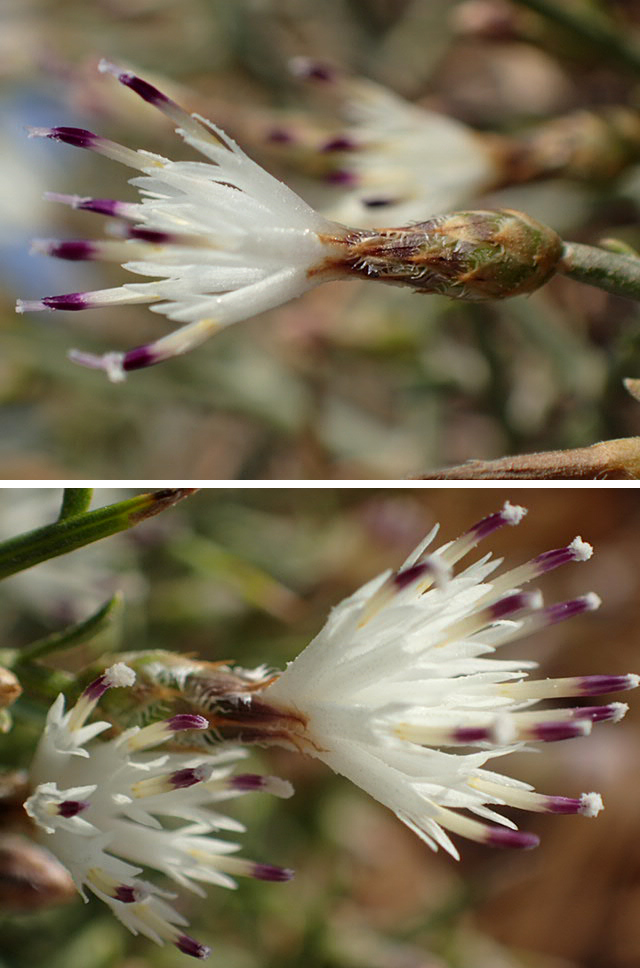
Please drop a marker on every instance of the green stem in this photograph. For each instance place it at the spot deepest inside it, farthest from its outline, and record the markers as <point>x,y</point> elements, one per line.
<point>594,30</point>
<point>618,274</point>
<point>26,550</point>
<point>75,500</point>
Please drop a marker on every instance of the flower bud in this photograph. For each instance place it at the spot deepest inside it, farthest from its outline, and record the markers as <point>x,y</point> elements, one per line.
<point>467,255</point>
<point>32,878</point>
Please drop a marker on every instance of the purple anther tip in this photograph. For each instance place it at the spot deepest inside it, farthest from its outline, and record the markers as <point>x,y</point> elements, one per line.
<point>563,610</point>
<point>142,88</point>
<point>597,714</point>
<point>267,872</point>
<point>596,685</point>
<point>279,136</point>
<point>103,206</point>
<point>471,734</point>
<point>70,301</point>
<point>509,514</point>
<point>554,732</point>
<point>247,781</point>
<point>408,576</point>
<point>563,805</point>
<point>341,177</point>
<point>511,604</point>
<point>97,688</point>
<point>186,778</point>
<point>187,721</point>
<point>150,235</point>
<point>549,560</point>
<point>189,946</point>
<point>138,358</point>
<point>125,893</point>
<point>71,808</point>
<point>339,143</point>
<point>74,250</point>
<point>505,837</point>
<point>312,70</point>
<point>78,137</point>
<point>377,202</point>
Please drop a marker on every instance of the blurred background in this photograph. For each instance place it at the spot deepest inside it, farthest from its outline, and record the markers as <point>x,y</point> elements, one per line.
<point>249,575</point>
<point>351,381</point>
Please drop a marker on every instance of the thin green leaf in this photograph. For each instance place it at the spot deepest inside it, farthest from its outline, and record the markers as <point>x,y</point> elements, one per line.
<point>74,634</point>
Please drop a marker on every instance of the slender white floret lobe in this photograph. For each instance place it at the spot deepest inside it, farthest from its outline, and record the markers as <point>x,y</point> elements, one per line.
<point>403,691</point>
<point>101,809</point>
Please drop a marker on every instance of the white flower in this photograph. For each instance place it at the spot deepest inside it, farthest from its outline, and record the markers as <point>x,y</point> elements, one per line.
<point>401,692</point>
<point>99,807</point>
<point>393,159</point>
<point>225,239</point>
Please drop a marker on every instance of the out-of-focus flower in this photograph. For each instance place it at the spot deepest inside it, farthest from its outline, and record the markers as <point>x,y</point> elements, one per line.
<point>401,693</point>
<point>392,160</point>
<point>228,241</point>
<point>99,807</point>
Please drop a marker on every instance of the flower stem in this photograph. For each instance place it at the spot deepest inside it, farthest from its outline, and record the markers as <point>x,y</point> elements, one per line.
<point>609,460</point>
<point>82,528</point>
<point>611,271</point>
<point>75,500</point>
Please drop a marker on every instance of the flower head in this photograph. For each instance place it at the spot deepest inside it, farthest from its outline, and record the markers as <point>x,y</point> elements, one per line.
<point>391,158</point>
<point>402,693</point>
<point>223,240</point>
<point>100,809</point>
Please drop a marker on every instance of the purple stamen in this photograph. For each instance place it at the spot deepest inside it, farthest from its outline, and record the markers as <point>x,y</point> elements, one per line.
<point>312,70</point>
<point>563,805</point>
<point>549,560</point>
<point>126,894</point>
<point>150,235</point>
<point>189,946</point>
<point>70,808</point>
<point>141,356</point>
<point>511,604</point>
<point>247,781</point>
<point>279,136</point>
<point>507,515</point>
<point>187,721</point>
<point>600,714</point>
<point>103,206</point>
<point>267,872</point>
<point>97,688</point>
<point>575,606</point>
<point>339,143</point>
<point>145,90</point>
<point>597,685</point>
<point>377,202</point>
<point>554,732</point>
<point>471,734</point>
<point>342,177</point>
<point>71,301</point>
<point>188,777</point>
<point>75,250</point>
<point>402,579</point>
<point>504,837</point>
<point>78,137</point>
